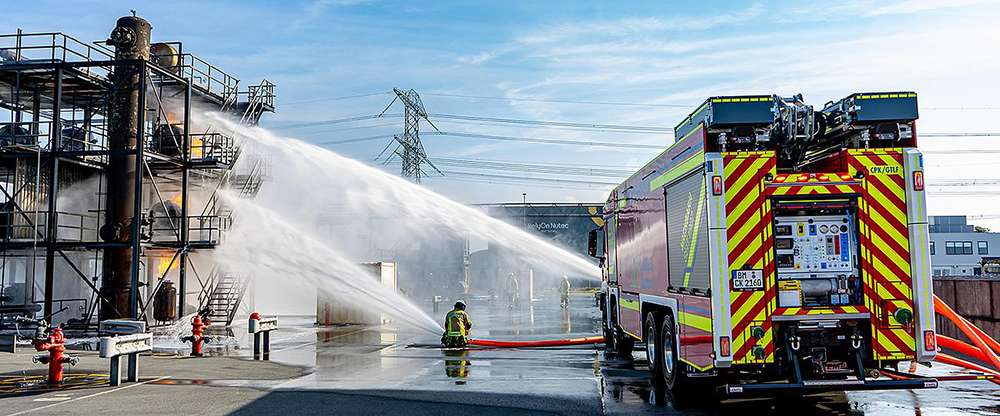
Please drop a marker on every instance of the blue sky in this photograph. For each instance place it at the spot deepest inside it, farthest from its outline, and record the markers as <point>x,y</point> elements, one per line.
<point>666,56</point>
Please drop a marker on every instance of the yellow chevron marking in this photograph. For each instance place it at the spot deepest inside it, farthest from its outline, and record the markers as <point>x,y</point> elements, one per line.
<point>884,225</point>
<point>743,180</point>
<point>741,314</point>
<point>890,254</point>
<point>846,189</point>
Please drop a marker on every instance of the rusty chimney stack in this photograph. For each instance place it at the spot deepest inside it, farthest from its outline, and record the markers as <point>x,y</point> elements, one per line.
<point>130,38</point>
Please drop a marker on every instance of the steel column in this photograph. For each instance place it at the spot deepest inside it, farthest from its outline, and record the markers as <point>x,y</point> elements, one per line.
<point>182,271</point>
<point>52,216</point>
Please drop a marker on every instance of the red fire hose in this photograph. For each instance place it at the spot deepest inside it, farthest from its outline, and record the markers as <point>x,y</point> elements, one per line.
<point>697,339</point>
<point>536,344</point>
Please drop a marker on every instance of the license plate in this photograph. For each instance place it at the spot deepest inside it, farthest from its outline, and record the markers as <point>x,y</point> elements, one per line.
<point>748,280</point>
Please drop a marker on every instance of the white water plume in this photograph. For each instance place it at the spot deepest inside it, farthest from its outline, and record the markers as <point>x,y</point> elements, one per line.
<point>294,228</point>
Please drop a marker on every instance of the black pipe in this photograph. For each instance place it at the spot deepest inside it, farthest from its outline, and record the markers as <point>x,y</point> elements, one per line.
<point>130,39</point>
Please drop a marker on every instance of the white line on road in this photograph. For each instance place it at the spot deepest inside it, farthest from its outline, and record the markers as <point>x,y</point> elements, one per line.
<point>88,396</point>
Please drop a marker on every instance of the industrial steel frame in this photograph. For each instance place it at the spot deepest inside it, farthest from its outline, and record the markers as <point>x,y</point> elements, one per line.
<point>76,76</point>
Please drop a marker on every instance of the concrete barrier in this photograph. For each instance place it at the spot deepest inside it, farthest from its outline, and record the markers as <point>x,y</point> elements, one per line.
<point>975,298</point>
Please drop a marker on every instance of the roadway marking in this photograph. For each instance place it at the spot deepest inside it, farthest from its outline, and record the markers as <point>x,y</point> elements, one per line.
<point>88,396</point>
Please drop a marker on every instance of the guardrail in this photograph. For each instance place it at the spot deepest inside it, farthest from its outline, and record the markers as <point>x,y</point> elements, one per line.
<point>129,338</point>
<point>261,329</point>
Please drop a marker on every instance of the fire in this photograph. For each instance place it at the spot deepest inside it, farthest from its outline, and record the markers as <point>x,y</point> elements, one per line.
<point>177,199</point>
<point>197,148</point>
<point>163,266</point>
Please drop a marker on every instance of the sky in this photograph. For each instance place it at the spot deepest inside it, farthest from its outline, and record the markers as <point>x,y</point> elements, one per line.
<point>642,64</point>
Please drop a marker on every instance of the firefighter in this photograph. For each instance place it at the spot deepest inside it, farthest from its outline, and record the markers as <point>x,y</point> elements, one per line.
<point>456,327</point>
<point>564,292</point>
<point>513,291</point>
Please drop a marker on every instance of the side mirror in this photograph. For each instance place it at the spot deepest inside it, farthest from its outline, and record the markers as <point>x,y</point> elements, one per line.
<point>592,244</point>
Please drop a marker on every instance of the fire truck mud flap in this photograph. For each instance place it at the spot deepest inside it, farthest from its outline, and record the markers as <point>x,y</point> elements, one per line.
<point>823,386</point>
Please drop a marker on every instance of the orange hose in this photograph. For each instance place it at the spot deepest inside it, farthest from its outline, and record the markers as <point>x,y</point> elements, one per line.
<point>950,343</point>
<point>536,344</point>
<point>986,337</point>
<point>967,329</point>
<point>947,359</point>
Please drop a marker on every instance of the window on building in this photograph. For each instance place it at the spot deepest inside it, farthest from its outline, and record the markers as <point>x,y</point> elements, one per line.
<point>957,247</point>
<point>932,248</point>
<point>983,247</point>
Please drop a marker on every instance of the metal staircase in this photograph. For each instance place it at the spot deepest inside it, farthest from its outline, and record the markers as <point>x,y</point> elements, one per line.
<point>228,289</point>
<point>226,295</point>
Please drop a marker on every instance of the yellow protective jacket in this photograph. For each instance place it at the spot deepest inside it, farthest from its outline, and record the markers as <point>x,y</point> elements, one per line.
<point>457,323</point>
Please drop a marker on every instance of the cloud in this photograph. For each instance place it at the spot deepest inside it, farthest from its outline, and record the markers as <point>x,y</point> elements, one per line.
<point>618,28</point>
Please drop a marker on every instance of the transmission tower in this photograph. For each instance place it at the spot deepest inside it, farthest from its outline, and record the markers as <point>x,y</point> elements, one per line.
<point>409,149</point>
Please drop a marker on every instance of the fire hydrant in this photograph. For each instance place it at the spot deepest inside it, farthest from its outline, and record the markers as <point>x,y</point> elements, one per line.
<point>196,337</point>
<point>54,343</point>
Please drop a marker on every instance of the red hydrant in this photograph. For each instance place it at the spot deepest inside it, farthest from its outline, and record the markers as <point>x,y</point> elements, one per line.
<point>54,344</point>
<point>196,337</point>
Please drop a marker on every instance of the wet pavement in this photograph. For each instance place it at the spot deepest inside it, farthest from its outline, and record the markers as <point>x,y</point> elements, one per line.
<point>381,370</point>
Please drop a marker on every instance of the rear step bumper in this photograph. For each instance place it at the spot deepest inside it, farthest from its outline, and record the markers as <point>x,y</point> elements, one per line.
<point>821,386</point>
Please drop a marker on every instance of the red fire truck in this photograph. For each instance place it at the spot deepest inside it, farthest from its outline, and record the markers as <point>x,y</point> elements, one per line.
<point>775,248</point>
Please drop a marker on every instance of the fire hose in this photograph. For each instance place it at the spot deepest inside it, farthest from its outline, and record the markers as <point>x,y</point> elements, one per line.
<point>983,346</point>
<point>565,342</point>
<point>536,344</point>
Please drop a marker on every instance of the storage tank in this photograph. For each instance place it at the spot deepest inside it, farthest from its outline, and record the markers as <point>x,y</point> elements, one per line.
<point>165,303</point>
<point>333,311</point>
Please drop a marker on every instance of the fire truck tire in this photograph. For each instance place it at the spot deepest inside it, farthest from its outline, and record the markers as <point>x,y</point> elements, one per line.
<point>651,333</point>
<point>674,373</point>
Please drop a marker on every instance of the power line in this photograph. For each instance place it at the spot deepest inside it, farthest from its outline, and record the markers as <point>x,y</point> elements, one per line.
<point>555,123</point>
<point>336,121</point>
<point>548,100</point>
<point>529,178</point>
<point>504,182</point>
<point>355,140</point>
<point>551,141</point>
<point>345,97</point>
<point>588,129</point>
<point>533,168</point>
<point>990,134</point>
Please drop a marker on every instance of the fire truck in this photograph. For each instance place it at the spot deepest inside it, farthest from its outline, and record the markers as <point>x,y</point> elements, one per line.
<point>775,247</point>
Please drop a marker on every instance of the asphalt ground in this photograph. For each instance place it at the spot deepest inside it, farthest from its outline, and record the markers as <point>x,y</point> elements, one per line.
<point>359,370</point>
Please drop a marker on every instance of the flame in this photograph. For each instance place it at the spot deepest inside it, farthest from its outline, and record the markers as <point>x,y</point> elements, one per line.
<point>177,199</point>
<point>197,148</point>
<point>163,266</point>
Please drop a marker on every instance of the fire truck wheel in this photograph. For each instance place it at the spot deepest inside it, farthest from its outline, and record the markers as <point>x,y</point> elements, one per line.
<point>674,375</point>
<point>652,339</point>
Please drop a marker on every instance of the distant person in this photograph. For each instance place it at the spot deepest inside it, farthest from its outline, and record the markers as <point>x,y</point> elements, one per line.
<point>564,287</point>
<point>456,327</point>
<point>513,291</point>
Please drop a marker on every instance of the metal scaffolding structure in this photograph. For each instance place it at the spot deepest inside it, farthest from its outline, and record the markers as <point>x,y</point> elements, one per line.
<point>109,191</point>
